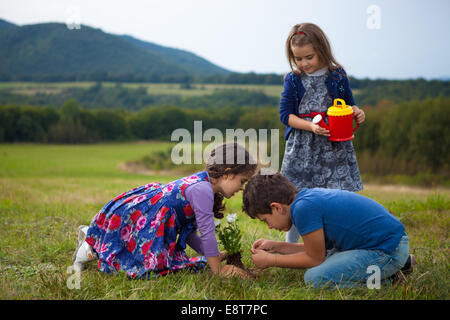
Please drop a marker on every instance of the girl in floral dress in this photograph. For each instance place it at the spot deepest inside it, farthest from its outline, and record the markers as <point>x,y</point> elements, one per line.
<point>144,231</point>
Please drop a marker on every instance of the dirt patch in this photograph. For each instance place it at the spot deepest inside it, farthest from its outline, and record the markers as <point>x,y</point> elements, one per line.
<point>390,188</point>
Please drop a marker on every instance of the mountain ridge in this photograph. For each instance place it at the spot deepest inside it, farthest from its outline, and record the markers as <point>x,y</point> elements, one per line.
<point>52,49</point>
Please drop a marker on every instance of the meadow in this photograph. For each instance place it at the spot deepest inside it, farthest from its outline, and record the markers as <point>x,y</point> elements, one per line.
<point>198,89</point>
<point>46,191</point>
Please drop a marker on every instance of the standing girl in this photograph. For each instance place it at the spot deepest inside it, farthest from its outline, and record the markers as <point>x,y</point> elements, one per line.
<point>144,231</point>
<point>310,159</point>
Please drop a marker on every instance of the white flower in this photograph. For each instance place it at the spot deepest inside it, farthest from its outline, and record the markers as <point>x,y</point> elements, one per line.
<point>216,222</point>
<point>231,217</point>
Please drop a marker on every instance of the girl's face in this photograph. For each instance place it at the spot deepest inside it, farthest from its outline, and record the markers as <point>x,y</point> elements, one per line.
<point>306,58</point>
<point>229,184</point>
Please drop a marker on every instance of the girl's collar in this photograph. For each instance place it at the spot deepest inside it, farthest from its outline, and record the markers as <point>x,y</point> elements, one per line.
<point>318,73</point>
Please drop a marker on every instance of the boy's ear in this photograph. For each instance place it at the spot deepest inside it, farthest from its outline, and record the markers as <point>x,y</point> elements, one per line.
<point>276,206</point>
<point>279,208</point>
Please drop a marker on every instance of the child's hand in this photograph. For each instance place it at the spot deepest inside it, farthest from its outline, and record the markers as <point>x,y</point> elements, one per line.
<point>263,244</point>
<point>358,114</point>
<point>263,259</point>
<point>319,130</point>
<point>222,255</point>
<point>229,271</point>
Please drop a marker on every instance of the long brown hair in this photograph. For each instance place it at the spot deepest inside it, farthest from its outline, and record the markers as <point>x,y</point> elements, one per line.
<point>309,33</point>
<point>229,158</point>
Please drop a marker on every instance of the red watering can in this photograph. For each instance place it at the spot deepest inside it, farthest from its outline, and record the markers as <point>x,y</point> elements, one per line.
<point>340,121</point>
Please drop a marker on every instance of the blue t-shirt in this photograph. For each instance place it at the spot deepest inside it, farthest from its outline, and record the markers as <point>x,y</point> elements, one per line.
<point>349,220</point>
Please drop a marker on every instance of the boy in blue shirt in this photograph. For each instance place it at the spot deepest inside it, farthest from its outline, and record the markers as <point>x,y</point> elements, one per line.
<point>346,237</point>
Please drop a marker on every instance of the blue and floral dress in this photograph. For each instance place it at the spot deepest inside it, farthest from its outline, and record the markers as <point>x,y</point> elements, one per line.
<point>143,231</point>
<point>313,161</point>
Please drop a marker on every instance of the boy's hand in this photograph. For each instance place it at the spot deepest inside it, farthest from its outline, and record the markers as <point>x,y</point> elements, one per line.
<point>263,259</point>
<point>358,114</point>
<point>229,271</point>
<point>263,244</point>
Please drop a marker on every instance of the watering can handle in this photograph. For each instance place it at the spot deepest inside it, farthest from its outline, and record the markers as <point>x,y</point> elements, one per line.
<point>357,126</point>
<point>341,101</point>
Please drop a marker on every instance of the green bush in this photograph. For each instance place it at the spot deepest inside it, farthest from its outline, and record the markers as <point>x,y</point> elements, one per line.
<point>409,138</point>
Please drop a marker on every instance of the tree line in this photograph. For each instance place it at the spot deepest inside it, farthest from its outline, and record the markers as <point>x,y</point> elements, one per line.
<point>370,92</point>
<point>366,92</point>
<point>408,137</point>
<point>121,97</point>
<point>72,123</point>
<point>155,77</point>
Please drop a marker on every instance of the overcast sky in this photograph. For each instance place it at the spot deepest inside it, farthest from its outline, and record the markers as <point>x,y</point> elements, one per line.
<point>394,39</point>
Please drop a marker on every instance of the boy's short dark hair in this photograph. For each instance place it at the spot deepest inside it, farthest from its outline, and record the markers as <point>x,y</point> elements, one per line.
<point>262,190</point>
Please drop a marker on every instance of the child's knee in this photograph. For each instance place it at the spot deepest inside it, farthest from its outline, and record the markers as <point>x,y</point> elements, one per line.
<point>315,278</point>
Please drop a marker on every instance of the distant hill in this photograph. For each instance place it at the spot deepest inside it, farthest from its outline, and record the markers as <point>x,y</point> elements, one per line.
<point>193,62</point>
<point>51,51</point>
<point>4,24</point>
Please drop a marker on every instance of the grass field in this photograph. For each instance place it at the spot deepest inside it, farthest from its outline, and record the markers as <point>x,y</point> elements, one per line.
<point>46,191</point>
<point>32,88</point>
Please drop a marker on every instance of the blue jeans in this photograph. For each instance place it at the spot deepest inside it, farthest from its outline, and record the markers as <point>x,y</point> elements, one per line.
<point>352,268</point>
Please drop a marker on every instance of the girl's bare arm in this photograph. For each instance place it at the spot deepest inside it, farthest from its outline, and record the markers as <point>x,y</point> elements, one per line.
<point>298,123</point>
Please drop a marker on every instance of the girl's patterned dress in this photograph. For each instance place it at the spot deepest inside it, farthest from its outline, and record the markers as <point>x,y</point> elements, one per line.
<point>313,161</point>
<point>143,231</point>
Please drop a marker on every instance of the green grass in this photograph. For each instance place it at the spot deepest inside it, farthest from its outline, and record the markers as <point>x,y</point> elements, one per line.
<point>46,191</point>
<point>31,88</point>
